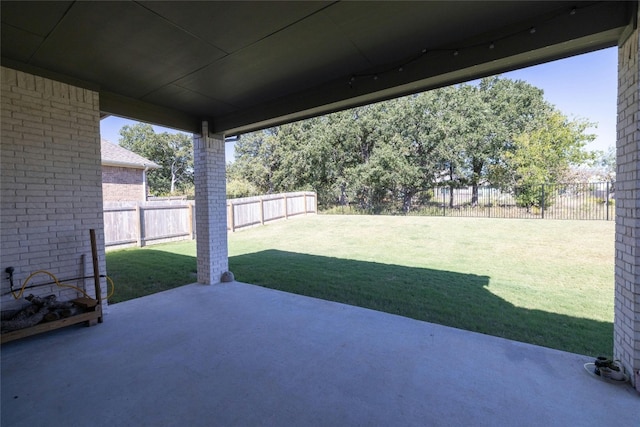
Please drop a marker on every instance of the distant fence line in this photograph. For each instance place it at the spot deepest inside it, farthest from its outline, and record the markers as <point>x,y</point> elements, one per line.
<point>250,211</point>
<point>577,201</point>
<point>141,224</point>
<point>128,224</point>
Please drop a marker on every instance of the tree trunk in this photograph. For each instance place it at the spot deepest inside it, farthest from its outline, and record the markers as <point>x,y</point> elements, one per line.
<point>406,202</point>
<point>343,194</point>
<point>475,181</point>
<point>451,196</point>
<point>173,179</point>
<point>451,186</point>
<point>474,195</point>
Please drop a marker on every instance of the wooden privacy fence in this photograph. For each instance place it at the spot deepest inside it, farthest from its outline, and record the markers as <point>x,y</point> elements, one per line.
<point>251,211</point>
<point>141,224</point>
<point>148,223</point>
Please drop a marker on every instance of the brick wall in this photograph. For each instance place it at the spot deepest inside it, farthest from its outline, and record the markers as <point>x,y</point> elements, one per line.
<point>211,206</point>
<point>50,182</point>
<point>122,184</point>
<point>627,271</point>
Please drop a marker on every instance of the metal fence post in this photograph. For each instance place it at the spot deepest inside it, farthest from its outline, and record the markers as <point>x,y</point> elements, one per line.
<point>606,203</point>
<point>542,203</point>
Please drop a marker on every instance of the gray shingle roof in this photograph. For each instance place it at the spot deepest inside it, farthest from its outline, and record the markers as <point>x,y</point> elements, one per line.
<point>114,155</point>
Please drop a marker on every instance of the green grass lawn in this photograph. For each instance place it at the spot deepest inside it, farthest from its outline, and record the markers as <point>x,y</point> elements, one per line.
<point>544,282</point>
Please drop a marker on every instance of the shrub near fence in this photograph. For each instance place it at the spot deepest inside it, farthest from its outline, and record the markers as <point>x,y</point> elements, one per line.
<point>580,201</point>
<point>161,221</point>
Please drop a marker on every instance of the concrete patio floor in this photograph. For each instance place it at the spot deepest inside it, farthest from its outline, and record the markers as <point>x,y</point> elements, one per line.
<point>241,355</point>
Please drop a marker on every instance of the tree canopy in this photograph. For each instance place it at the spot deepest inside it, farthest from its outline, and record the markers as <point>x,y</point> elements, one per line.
<point>173,152</point>
<point>382,156</point>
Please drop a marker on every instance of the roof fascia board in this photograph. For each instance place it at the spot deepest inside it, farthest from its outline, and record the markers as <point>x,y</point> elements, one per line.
<point>52,75</point>
<point>122,106</point>
<point>129,165</point>
<point>632,26</point>
<point>114,104</point>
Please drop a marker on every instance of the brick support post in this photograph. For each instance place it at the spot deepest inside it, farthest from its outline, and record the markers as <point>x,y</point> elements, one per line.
<point>627,267</point>
<point>211,206</point>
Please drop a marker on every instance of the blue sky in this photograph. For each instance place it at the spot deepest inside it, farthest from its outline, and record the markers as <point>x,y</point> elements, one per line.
<point>583,86</point>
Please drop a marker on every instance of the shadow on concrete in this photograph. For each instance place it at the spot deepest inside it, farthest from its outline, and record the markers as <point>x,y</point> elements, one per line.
<point>445,297</point>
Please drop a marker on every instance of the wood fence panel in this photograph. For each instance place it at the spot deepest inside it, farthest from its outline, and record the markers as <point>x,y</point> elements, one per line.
<point>273,209</point>
<point>131,224</point>
<point>311,203</point>
<point>166,222</point>
<point>120,225</point>
<point>250,211</point>
<point>296,205</point>
<point>246,214</point>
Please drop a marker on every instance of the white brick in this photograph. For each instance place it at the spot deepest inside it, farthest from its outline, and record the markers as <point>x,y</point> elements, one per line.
<point>211,211</point>
<point>627,271</point>
<point>43,162</point>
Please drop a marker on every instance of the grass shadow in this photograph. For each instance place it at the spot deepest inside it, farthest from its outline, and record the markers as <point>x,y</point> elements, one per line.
<point>445,297</point>
<point>138,273</point>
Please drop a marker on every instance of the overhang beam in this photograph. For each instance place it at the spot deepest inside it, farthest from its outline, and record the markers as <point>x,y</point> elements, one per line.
<point>593,28</point>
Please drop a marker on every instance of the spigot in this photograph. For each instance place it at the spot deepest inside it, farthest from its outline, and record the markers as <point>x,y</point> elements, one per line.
<point>9,271</point>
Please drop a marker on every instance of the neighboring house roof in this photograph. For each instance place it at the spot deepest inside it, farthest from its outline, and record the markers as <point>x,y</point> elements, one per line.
<point>114,155</point>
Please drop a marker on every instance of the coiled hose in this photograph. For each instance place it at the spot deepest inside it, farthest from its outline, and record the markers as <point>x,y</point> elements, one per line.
<point>57,282</point>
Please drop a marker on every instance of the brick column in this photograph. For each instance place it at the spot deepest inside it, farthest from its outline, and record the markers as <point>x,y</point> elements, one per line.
<point>627,270</point>
<point>211,206</point>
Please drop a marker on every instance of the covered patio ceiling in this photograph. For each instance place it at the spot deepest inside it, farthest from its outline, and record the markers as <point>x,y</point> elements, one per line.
<point>248,65</point>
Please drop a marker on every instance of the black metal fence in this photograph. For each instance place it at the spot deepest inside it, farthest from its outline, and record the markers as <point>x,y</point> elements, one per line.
<point>581,201</point>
